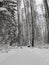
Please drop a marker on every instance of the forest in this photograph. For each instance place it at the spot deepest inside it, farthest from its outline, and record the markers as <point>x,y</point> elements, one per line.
<point>24,32</point>
<point>24,22</point>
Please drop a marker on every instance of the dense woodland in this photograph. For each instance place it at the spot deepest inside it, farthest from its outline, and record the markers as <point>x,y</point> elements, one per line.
<point>24,22</point>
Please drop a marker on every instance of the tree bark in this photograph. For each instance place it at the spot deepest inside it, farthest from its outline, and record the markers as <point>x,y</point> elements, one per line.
<point>32,20</point>
<point>47,16</point>
<point>41,23</point>
<point>19,31</point>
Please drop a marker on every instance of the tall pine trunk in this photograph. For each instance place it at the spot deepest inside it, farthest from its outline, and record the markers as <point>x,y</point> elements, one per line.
<point>19,31</point>
<point>41,23</point>
<point>47,16</point>
<point>32,20</point>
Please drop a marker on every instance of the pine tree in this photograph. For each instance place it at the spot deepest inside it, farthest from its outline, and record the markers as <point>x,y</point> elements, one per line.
<point>7,11</point>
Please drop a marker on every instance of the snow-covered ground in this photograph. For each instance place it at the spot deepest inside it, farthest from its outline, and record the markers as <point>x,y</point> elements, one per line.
<point>25,56</point>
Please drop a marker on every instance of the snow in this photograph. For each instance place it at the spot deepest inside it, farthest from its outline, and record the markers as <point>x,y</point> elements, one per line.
<point>25,56</point>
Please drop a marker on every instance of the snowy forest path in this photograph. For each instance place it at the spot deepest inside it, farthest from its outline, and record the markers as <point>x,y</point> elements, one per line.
<point>26,56</point>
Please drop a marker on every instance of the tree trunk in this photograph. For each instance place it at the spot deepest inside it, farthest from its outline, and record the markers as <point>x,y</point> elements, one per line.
<point>19,31</point>
<point>41,23</point>
<point>32,19</point>
<point>47,15</point>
